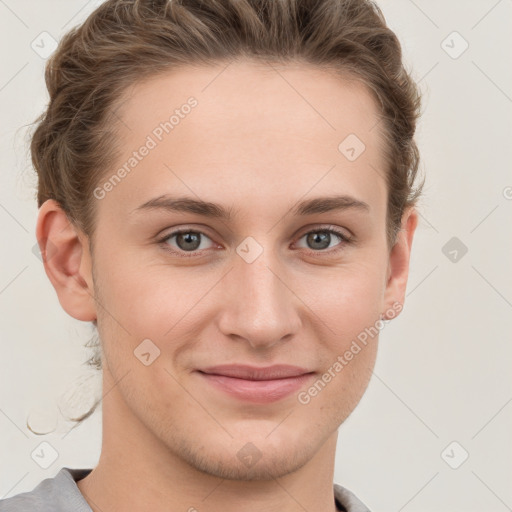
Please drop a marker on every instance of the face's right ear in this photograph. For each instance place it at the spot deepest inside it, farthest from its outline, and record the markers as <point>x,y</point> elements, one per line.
<point>67,261</point>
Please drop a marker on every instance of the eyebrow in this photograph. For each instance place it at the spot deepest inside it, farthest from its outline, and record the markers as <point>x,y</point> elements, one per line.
<point>208,209</point>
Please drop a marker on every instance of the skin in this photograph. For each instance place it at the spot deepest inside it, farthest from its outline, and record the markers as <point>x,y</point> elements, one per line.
<point>261,138</point>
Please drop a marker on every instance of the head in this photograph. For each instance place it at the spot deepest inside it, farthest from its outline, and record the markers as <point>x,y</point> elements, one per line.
<point>242,114</point>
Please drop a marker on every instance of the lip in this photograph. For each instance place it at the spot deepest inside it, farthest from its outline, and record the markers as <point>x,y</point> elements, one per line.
<point>256,384</point>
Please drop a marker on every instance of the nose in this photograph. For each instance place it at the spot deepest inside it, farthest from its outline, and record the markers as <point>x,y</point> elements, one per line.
<point>258,304</point>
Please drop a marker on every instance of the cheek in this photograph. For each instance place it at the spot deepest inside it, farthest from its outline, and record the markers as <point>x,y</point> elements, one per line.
<point>349,299</point>
<point>141,297</point>
<point>148,302</point>
<point>344,391</point>
<point>348,357</point>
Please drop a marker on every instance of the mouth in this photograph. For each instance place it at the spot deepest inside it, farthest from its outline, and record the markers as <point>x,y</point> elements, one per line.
<point>256,384</point>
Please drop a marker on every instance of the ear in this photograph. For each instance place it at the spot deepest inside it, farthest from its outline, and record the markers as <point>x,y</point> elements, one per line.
<point>67,261</point>
<point>398,267</point>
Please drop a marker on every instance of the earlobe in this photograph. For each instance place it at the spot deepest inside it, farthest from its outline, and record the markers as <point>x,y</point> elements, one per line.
<point>399,260</point>
<point>67,262</point>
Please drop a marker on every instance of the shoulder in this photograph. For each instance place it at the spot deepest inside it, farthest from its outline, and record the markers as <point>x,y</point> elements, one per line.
<point>349,500</point>
<point>56,494</point>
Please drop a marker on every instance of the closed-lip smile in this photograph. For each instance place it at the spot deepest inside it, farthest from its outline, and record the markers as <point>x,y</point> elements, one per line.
<point>256,384</point>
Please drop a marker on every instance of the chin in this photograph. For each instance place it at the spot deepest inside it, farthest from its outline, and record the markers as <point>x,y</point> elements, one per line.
<point>248,463</point>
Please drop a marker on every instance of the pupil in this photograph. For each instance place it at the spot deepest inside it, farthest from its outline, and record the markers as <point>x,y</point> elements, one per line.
<point>322,237</point>
<point>189,238</point>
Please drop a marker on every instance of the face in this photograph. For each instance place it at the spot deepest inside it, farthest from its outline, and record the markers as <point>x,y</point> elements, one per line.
<point>270,273</point>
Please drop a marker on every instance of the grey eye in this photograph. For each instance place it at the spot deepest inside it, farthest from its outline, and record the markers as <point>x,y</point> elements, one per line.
<point>187,240</point>
<point>321,239</point>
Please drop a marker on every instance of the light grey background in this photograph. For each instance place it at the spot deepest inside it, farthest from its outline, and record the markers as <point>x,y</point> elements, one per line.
<point>443,369</point>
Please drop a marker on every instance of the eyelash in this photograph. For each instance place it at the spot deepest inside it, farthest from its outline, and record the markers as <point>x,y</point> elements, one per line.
<point>330,229</point>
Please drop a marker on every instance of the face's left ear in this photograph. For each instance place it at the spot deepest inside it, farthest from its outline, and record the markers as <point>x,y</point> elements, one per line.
<point>398,268</point>
<point>67,261</point>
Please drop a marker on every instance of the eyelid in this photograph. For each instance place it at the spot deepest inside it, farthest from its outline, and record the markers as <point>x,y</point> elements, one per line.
<point>343,232</point>
<point>167,233</point>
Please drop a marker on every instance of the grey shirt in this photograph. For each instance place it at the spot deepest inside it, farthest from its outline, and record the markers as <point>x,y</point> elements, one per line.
<point>61,494</point>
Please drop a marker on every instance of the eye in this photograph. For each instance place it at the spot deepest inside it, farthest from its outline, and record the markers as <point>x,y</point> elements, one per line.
<point>187,241</point>
<point>320,240</point>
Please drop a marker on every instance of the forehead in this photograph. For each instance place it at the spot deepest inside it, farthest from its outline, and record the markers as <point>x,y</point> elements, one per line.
<point>269,95</point>
<point>254,128</point>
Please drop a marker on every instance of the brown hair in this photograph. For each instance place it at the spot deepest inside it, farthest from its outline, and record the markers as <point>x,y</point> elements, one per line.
<point>126,41</point>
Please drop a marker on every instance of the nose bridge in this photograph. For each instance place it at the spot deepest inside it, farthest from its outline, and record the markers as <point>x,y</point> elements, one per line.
<point>260,308</point>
